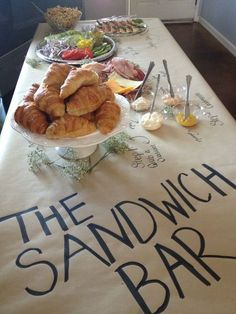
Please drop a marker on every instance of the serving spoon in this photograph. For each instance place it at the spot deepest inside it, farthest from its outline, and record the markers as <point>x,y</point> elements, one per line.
<point>149,70</point>
<point>186,107</point>
<point>172,94</point>
<point>155,95</point>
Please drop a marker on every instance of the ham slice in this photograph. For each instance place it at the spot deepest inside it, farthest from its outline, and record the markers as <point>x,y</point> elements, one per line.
<point>123,67</point>
<point>126,69</point>
<point>99,68</point>
<point>119,65</point>
<point>95,66</point>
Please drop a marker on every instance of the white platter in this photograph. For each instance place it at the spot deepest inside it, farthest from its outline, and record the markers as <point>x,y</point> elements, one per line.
<point>120,31</point>
<point>79,142</point>
<point>103,57</point>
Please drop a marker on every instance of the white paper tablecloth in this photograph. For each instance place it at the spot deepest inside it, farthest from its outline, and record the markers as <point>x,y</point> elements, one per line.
<point>149,231</point>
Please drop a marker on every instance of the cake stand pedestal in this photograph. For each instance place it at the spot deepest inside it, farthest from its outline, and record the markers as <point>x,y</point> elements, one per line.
<point>75,153</point>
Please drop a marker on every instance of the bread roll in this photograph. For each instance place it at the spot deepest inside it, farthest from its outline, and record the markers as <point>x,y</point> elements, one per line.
<point>76,79</point>
<point>49,101</point>
<point>107,116</point>
<point>88,99</point>
<point>56,75</point>
<point>29,96</point>
<point>31,118</point>
<point>47,97</point>
<point>70,126</point>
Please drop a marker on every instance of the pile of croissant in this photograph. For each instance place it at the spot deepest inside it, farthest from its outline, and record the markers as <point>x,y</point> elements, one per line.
<point>69,102</point>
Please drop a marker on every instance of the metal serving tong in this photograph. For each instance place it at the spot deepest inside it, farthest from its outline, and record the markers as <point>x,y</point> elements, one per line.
<point>155,94</point>
<point>140,89</point>
<point>186,107</point>
<point>172,94</point>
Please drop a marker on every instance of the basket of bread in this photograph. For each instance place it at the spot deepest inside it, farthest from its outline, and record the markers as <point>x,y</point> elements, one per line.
<point>69,103</point>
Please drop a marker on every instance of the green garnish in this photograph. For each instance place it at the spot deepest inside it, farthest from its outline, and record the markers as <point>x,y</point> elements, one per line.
<point>137,21</point>
<point>62,35</point>
<point>33,62</point>
<point>76,169</point>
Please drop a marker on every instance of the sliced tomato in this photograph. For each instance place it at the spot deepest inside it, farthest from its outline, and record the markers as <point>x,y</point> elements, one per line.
<point>73,54</point>
<point>77,54</point>
<point>88,52</point>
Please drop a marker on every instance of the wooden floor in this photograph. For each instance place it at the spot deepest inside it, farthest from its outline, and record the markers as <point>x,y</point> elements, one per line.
<point>216,64</point>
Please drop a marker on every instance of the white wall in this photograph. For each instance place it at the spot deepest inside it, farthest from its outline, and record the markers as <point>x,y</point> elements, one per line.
<point>219,17</point>
<point>95,9</point>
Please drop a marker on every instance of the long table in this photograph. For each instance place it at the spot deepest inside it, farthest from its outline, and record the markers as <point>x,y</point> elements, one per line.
<point>151,230</point>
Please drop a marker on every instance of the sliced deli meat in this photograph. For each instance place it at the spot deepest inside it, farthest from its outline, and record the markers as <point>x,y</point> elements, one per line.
<point>126,69</point>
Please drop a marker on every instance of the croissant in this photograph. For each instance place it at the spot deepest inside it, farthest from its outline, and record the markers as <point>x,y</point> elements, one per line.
<point>29,96</point>
<point>76,79</point>
<point>88,99</point>
<point>31,118</point>
<point>47,96</point>
<point>70,126</point>
<point>56,75</point>
<point>107,116</point>
<point>49,101</point>
<point>89,116</point>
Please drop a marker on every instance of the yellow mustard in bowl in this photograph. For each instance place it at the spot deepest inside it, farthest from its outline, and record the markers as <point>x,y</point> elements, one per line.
<point>191,120</point>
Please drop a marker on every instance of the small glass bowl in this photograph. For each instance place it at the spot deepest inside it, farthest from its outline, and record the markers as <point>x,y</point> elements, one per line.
<point>142,103</point>
<point>197,112</point>
<point>167,104</point>
<point>151,121</point>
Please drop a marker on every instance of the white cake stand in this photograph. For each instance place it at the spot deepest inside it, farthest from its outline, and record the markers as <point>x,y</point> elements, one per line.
<point>79,147</point>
